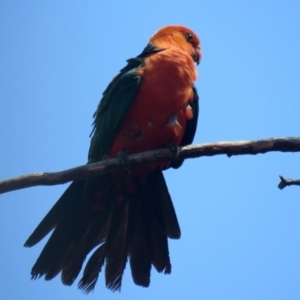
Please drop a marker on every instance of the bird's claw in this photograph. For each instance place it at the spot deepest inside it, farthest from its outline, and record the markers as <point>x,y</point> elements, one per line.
<point>176,162</point>
<point>175,151</point>
<point>123,159</point>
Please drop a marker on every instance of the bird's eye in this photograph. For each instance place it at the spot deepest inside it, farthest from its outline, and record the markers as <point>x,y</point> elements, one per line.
<point>189,37</point>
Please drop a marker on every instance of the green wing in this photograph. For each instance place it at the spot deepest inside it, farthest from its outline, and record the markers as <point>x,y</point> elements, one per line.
<point>191,125</point>
<point>190,128</point>
<point>114,105</point>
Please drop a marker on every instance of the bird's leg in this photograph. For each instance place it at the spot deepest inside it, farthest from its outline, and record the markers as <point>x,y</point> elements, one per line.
<point>123,159</point>
<point>175,151</point>
<point>176,162</point>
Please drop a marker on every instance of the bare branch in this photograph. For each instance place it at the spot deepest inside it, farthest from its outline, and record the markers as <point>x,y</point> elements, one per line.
<point>287,182</point>
<point>191,151</point>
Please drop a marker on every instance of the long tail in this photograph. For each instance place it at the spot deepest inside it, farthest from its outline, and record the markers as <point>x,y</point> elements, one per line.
<point>136,227</point>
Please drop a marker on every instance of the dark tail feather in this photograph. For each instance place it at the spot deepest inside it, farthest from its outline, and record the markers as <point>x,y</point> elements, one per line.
<point>159,220</point>
<point>136,225</point>
<point>113,251</point>
<point>156,240</point>
<point>77,232</point>
<point>160,200</point>
<point>116,247</point>
<point>66,205</point>
<point>56,252</point>
<point>140,261</point>
<point>62,217</point>
<point>93,233</point>
<point>92,270</point>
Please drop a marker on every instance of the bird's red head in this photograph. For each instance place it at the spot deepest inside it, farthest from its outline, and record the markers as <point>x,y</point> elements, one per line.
<point>179,36</point>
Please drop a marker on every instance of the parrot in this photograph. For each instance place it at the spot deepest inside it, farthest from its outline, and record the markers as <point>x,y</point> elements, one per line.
<point>127,216</point>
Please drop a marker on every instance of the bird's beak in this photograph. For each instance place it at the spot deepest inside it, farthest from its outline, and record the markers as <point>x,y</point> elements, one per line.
<point>198,55</point>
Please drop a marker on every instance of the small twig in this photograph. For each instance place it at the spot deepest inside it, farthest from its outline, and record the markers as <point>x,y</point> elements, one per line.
<point>287,182</point>
<point>191,151</point>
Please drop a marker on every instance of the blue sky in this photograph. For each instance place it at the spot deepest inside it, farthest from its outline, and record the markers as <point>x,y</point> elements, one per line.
<point>240,234</point>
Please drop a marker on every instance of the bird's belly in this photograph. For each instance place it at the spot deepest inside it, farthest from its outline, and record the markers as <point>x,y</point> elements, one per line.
<point>148,127</point>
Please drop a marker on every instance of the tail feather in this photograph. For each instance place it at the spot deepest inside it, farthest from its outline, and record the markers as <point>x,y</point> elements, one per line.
<point>161,203</point>
<point>157,243</point>
<point>155,228</point>
<point>140,261</point>
<point>54,254</point>
<point>93,233</point>
<point>92,270</point>
<point>67,205</point>
<point>73,238</point>
<point>137,226</point>
<point>117,247</point>
<point>76,256</point>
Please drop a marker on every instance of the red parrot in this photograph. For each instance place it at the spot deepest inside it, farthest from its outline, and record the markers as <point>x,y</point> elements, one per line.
<point>152,103</point>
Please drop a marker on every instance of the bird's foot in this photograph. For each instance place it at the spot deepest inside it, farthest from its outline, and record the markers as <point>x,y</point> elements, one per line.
<point>176,162</point>
<point>123,159</point>
<point>175,150</point>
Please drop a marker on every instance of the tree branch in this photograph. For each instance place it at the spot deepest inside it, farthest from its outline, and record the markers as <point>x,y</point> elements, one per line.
<point>108,165</point>
<point>287,182</point>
